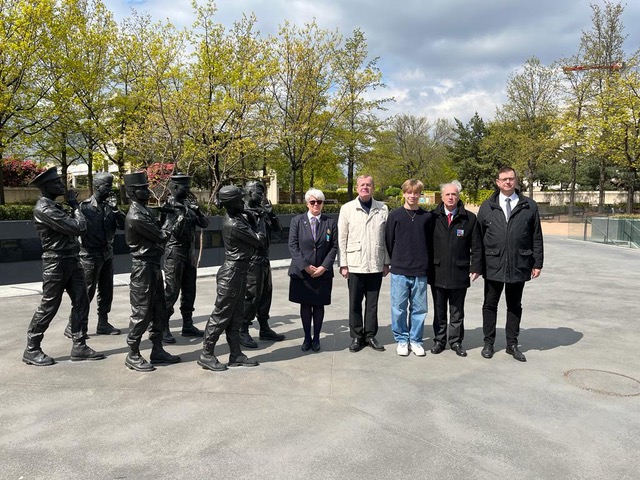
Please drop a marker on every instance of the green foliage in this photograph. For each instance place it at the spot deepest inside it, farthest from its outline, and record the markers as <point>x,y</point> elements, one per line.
<point>16,212</point>
<point>475,198</point>
<point>393,192</point>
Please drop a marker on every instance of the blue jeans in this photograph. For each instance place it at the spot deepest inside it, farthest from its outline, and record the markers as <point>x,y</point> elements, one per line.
<point>408,308</point>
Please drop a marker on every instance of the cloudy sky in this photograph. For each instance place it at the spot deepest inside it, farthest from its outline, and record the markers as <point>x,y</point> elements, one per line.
<point>439,58</point>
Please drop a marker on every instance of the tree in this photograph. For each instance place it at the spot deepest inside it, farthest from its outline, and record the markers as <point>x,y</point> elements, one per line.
<point>421,147</point>
<point>531,106</point>
<point>25,35</point>
<point>226,90</point>
<point>474,170</point>
<point>301,109</point>
<point>357,123</point>
<point>602,47</point>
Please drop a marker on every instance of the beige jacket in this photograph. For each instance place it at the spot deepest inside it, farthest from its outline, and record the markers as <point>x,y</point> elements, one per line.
<point>361,237</point>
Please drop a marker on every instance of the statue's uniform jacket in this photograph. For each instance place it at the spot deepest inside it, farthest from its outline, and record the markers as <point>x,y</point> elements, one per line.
<point>146,239</point>
<point>240,241</point>
<point>61,268</point>
<point>180,265</point>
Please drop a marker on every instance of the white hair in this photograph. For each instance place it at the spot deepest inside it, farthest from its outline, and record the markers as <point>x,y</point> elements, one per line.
<point>314,192</point>
<point>452,183</point>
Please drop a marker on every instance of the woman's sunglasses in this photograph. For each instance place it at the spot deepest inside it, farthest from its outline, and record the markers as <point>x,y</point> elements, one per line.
<point>313,202</point>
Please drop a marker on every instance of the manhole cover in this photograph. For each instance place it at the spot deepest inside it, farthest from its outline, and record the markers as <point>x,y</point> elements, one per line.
<point>601,381</point>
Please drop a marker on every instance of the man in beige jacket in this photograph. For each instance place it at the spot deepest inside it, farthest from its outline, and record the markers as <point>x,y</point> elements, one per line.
<point>364,260</point>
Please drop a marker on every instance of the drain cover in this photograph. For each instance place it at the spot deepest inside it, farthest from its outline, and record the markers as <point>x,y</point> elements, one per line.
<point>603,382</point>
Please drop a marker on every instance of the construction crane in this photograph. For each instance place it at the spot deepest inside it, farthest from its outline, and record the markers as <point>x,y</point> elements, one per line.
<point>614,67</point>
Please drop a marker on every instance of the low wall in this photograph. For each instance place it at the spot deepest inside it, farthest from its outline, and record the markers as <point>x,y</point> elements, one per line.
<point>555,199</point>
<point>20,249</point>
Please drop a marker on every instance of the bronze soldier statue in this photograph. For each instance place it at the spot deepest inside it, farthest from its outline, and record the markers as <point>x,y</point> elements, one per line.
<point>259,283</point>
<point>241,238</point>
<point>96,248</point>
<point>180,264</point>
<point>61,270</point>
<point>146,239</point>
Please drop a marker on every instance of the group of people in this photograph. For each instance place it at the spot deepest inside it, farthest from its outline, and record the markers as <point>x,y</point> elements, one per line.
<point>446,248</point>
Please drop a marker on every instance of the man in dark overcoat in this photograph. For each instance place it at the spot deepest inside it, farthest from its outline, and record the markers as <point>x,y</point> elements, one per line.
<point>455,235</point>
<point>512,253</point>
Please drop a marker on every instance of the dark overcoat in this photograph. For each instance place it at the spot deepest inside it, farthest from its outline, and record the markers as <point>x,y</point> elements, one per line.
<point>452,246</point>
<point>510,249</point>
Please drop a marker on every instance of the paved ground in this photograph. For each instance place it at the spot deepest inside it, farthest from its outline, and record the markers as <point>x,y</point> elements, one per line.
<point>571,412</point>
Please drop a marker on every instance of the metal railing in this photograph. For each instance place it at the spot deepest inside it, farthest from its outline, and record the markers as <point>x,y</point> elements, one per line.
<point>613,231</point>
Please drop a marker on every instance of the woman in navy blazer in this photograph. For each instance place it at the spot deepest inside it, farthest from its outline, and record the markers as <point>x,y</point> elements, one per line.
<point>313,250</point>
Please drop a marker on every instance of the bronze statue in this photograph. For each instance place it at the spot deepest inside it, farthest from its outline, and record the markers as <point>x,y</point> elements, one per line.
<point>180,264</point>
<point>241,236</point>
<point>259,283</point>
<point>146,239</point>
<point>61,270</point>
<point>96,248</point>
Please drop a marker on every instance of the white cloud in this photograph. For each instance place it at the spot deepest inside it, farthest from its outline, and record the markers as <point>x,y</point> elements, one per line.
<point>440,58</point>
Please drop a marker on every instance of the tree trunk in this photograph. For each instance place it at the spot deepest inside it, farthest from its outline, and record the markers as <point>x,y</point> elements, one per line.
<point>292,186</point>
<point>603,179</point>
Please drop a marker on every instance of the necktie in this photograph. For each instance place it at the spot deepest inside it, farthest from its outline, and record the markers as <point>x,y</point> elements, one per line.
<point>314,227</point>
<point>449,217</point>
<point>508,200</point>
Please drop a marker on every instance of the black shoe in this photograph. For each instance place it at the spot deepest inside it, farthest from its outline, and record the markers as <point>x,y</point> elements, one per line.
<point>357,344</point>
<point>246,340</point>
<point>271,335</point>
<point>80,352</point>
<point>167,337</point>
<point>437,348</point>
<point>37,357</point>
<point>191,331</point>
<point>487,351</point>
<point>373,343</point>
<point>160,355</point>
<point>138,363</point>
<point>210,362</point>
<point>306,346</point>
<point>242,361</point>
<point>315,346</point>
<point>514,351</point>
<point>107,329</point>
<point>459,349</point>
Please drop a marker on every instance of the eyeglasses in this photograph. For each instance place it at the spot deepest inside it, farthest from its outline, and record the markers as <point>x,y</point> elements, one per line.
<point>313,202</point>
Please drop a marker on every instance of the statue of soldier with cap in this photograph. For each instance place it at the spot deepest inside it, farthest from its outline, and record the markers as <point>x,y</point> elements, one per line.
<point>259,283</point>
<point>180,264</point>
<point>61,270</point>
<point>96,248</point>
<point>241,236</point>
<point>146,239</point>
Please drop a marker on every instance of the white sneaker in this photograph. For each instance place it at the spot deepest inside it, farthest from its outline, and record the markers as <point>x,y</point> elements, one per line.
<point>417,349</point>
<point>402,349</point>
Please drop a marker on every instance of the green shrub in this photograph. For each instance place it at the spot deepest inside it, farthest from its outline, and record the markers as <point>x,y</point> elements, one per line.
<point>16,212</point>
<point>393,192</point>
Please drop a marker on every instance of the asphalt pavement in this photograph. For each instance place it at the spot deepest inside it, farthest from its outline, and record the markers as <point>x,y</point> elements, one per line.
<point>572,411</point>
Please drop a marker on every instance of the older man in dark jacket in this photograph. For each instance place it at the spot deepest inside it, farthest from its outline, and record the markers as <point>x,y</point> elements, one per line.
<point>455,234</point>
<point>513,254</point>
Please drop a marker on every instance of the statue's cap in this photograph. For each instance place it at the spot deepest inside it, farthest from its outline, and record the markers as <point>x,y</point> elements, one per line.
<point>46,176</point>
<point>138,179</point>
